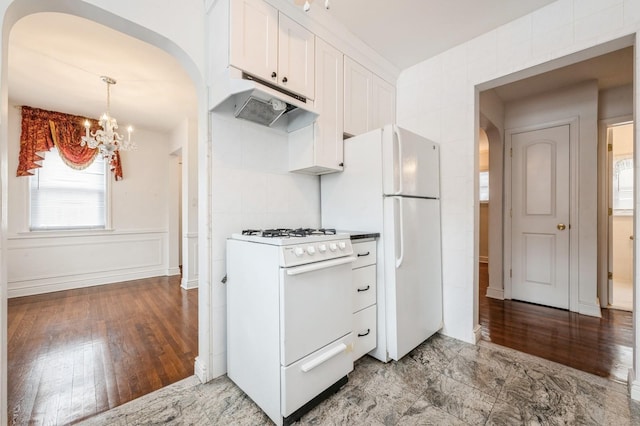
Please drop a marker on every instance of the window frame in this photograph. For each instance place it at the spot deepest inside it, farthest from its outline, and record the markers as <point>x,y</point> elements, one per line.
<point>480,186</point>
<point>108,227</point>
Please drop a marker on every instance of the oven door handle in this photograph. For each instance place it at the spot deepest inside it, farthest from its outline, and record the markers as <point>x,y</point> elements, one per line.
<point>296,270</point>
<point>323,358</point>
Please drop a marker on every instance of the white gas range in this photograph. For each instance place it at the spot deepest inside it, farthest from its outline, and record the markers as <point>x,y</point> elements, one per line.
<point>289,317</point>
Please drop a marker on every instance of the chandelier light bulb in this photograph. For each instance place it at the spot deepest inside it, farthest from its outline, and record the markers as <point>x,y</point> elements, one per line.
<point>306,6</point>
<point>326,4</point>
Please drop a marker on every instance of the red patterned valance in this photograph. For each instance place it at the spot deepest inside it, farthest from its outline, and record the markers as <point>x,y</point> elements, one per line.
<point>42,130</point>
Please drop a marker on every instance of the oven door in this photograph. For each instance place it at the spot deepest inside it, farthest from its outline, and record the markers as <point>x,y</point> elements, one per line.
<point>315,306</point>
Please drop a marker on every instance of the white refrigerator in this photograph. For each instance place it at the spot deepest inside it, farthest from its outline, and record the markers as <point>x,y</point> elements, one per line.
<point>391,185</point>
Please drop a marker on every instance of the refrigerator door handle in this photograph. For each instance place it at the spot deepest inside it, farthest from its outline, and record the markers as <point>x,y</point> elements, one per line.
<point>400,216</point>
<point>398,173</point>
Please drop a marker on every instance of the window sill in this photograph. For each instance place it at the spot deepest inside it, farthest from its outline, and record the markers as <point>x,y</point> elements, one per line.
<point>79,233</point>
<point>55,233</point>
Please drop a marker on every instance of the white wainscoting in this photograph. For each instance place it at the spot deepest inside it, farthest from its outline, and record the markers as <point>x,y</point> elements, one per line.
<point>46,262</point>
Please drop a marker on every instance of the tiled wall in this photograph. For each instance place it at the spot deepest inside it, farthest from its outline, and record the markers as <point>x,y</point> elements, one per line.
<point>251,188</point>
<point>437,98</point>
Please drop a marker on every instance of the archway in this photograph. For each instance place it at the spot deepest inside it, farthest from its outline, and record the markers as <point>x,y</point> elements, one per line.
<point>15,11</point>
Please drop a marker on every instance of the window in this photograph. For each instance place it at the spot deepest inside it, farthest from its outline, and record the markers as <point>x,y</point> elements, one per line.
<point>63,198</point>
<point>484,187</point>
<point>623,186</point>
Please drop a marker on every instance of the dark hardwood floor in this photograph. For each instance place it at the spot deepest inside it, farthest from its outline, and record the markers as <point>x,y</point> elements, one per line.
<point>72,354</point>
<point>601,346</point>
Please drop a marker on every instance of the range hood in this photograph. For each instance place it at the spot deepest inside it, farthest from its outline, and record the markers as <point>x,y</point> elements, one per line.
<point>251,99</point>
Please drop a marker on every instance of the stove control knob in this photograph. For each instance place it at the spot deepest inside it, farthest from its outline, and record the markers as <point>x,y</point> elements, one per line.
<point>333,247</point>
<point>322,248</point>
<point>342,245</point>
<point>298,251</point>
<point>311,250</point>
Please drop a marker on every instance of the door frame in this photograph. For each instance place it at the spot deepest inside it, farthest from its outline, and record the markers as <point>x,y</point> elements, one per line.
<point>603,204</point>
<point>573,123</point>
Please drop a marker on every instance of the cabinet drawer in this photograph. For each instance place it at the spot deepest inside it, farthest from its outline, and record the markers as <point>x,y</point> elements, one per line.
<point>364,331</point>
<point>364,287</point>
<point>305,379</point>
<point>366,253</point>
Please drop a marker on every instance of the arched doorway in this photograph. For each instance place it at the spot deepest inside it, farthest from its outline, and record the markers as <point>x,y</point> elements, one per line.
<point>14,12</point>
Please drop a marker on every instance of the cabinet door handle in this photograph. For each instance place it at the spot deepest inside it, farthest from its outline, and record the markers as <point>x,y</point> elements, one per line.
<point>284,80</point>
<point>274,75</point>
<point>364,289</point>
<point>364,334</point>
<point>364,254</point>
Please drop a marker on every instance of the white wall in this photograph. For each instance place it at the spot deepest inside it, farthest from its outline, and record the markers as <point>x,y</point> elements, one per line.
<point>137,246</point>
<point>184,142</point>
<point>251,188</point>
<point>437,98</point>
<point>491,110</point>
<point>615,102</point>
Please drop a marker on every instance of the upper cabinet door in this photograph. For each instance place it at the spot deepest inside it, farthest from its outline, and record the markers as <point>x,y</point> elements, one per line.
<point>329,103</point>
<point>357,97</point>
<point>383,101</point>
<point>254,38</point>
<point>296,58</point>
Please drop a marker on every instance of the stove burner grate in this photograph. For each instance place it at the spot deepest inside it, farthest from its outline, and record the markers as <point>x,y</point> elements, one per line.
<point>288,232</point>
<point>274,233</point>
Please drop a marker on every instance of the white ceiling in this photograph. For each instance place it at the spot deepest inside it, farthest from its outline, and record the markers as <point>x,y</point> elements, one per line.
<point>56,60</point>
<point>406,32</point>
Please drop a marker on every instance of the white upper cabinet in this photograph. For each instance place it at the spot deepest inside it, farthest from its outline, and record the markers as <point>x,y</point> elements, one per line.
<point>318,149</point>
<point>254,38</point>
<point>272,47</point>
<point>383,103</point>
<point>357,97</point>
<point>296,60</point>
<point>369,101</point>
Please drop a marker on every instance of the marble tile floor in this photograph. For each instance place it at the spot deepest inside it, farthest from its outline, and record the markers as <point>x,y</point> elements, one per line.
<point>442,382</point>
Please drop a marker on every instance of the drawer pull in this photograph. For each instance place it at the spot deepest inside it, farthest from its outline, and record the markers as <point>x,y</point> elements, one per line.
<point>364,254</point>
<point>323,357</point>
<point>364,334</point>
<point>364,289</point>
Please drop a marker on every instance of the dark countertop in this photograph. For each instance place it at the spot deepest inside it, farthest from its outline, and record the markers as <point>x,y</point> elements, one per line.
<point>361,235</point>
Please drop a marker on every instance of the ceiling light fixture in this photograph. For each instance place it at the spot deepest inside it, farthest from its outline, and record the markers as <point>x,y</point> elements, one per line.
<point>107,139</point>
<point>306,4</point>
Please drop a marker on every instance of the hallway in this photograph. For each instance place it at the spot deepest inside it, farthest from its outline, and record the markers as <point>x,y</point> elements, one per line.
<point>601,346</point>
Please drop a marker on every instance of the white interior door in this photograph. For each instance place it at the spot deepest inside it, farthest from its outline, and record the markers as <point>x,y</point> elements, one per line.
<point>540,216</point>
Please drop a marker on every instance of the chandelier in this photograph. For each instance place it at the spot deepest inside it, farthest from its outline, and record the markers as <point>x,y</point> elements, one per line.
<point>306,4</point>
<point>107,139</point>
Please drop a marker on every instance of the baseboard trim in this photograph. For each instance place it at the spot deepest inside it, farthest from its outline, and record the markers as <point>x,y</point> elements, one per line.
<point>189,284</point>
<point>483,259</point>
<point>33,289</point>
<point>477,333</point>
<point>495,293</point>
<point>173,271</point>
<point>634,385</point>
<point>200,370</point>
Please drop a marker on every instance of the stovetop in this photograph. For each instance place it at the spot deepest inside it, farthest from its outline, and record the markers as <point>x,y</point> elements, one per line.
<point>289,236</point>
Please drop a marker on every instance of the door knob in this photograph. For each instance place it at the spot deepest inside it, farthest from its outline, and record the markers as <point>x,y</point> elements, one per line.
<point>562,226</point>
